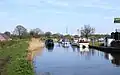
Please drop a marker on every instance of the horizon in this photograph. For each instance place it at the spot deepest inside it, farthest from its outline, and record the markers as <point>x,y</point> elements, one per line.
<point>55,15</point>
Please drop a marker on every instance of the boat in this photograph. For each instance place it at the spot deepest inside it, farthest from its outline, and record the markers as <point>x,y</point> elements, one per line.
<point>60,41</point>
<point>49,43</point>
<point>65,43</point>
<point>74,42</point>
<point>81,43</point>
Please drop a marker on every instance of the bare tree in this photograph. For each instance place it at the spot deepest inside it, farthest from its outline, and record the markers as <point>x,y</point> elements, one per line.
<point>20,31</point>
<point>87,30</point>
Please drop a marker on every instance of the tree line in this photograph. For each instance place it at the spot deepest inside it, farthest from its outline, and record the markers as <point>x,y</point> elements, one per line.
<point>21,32</point>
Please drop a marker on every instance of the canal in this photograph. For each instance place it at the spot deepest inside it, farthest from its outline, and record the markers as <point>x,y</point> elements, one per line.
<point>75,61</point>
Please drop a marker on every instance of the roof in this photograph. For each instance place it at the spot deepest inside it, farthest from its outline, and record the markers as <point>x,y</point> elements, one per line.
<point>4,36</point>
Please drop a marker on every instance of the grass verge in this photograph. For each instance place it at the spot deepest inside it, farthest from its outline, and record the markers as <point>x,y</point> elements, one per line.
<point>18,64</point>
<point>96,44</point>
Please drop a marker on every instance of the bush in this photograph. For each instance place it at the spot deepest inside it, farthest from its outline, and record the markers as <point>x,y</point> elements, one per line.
<point>8,43</point>
<point>22,67</point>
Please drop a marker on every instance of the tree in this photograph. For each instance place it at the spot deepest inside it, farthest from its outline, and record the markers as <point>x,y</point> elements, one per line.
<point>76,36</point>
<point>67,36</point>
<point>48,34</point>
<point>36,32</point>
<point>20,31</point>
<point>86,31</point>
<point>7,33</point>
<point>32,33</point>
<point>97,36</point>
<point>57,35</point>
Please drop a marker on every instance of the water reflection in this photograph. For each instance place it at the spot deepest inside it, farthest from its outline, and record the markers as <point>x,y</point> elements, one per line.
<point>50,48</point>
<point>92,52</point>
<point>114,58</point>
<point>74,48</point>
<point>83,51</point>
<point>78,49</point>
<point>58,45</point>
<point>76,61</point>
<point>46,73</point>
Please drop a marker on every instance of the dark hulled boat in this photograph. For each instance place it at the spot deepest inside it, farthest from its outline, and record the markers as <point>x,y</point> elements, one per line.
<point>49,43</point>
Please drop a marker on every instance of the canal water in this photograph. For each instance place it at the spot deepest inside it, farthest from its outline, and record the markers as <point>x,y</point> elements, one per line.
<point>75,61</point>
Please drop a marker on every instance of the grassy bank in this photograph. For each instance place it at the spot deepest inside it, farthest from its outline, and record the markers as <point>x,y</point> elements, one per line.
<point>96,44</point>
<point>17,63</point>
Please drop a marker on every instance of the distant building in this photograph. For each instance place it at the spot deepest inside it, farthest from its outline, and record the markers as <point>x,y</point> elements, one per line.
<point>4,37</point>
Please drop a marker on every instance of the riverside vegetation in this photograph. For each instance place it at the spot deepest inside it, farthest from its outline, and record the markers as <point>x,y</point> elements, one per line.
<point>13,59</point>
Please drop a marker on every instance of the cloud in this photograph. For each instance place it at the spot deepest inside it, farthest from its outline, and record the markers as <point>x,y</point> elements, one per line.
<point>108,17</point>
<point>57,3</point>
<point>13,19</point>
<point>57,12</point>
<point>99,4</point>
<point>3,14</point>
<point>103,4</point>
<point>106,7</point>
<point>64,6</point>
<point>68,4</point>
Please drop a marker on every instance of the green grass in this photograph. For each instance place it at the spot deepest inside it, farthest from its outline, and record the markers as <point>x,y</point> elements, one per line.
<point>95,44</point>
<point>18,65</point>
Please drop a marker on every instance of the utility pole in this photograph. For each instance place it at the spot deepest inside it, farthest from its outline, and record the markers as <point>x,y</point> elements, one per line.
<point>66,30</point>
<point>78,31</point>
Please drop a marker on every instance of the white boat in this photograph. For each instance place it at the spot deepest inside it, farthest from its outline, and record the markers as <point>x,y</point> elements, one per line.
<point>74,42</point>
<point>82,43</point>
<point>60,41</point>
<point>65,44</point>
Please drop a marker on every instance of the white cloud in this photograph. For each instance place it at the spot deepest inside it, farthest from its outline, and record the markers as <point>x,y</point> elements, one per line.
<point>103,4</point>
<point>68,4</point>
<point>57,12</point>
<point>4,14</point>
<point>57,3</point>
<point>108,17</point>
<point>13,19</point>
<point>100,4</point>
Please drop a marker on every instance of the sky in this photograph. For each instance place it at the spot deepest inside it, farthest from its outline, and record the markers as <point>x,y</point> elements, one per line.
<point>56,15</point>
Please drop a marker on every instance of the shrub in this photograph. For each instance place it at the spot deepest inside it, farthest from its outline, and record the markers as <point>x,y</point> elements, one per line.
<point>22,67</point>
<point>8,43</point>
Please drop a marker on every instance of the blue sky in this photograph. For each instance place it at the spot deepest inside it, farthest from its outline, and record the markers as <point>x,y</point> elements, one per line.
<point>56,15</point>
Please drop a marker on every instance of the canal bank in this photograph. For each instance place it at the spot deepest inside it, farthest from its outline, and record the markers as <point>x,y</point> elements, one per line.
<point>35,46</point>
<point>14,58</point>
<point>106,49</point>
